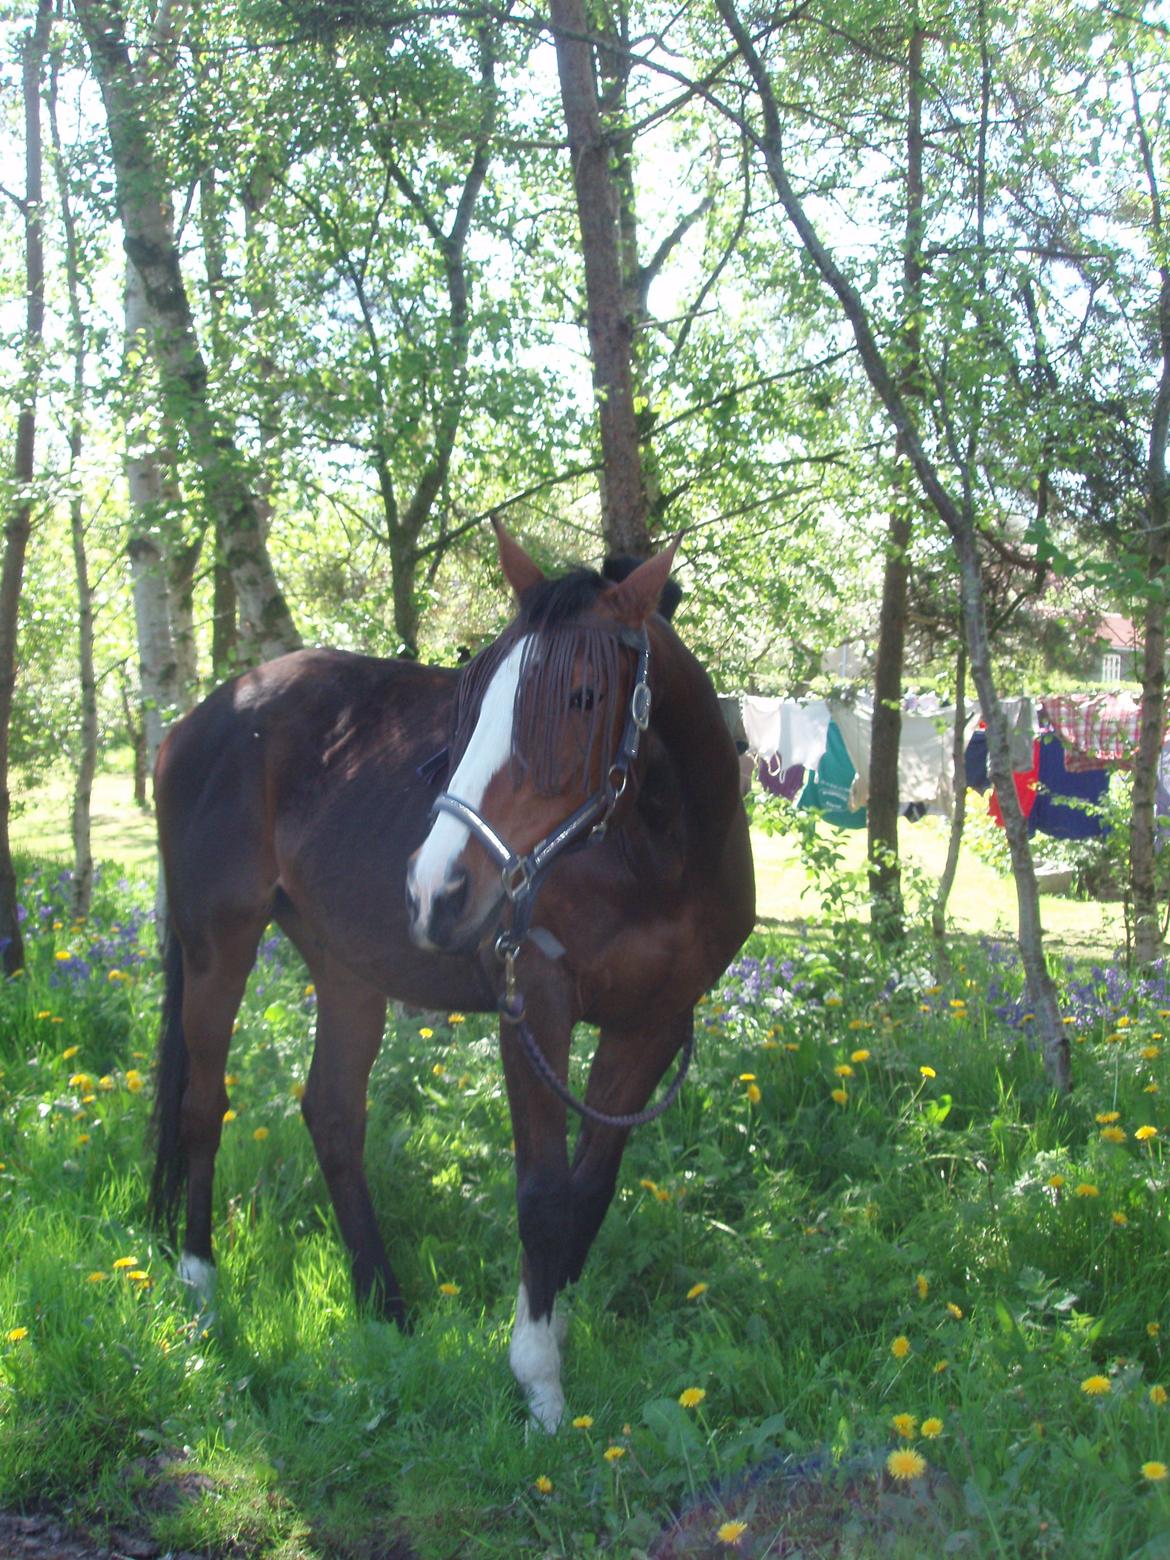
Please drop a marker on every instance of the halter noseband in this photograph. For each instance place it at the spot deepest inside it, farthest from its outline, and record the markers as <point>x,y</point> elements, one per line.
<point>522,876</point>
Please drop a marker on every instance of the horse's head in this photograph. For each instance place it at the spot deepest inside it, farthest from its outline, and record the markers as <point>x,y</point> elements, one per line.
<point>547,716</point>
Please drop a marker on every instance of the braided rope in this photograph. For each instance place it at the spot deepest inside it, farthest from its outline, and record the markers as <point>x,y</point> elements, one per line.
<point>513,1013</point>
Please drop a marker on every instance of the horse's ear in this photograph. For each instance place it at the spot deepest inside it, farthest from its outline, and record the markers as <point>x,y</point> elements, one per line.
<point>519,570</point>
<point>636,597</point>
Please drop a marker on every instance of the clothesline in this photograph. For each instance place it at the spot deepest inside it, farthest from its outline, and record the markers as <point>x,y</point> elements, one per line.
<point>816,752</point>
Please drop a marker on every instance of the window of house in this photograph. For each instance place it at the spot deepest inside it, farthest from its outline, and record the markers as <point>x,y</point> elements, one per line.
<point>1111,667</point>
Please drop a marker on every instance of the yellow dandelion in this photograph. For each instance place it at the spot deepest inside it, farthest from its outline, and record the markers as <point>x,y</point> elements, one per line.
<point>905,1425</point>
<point>1151,1088</point>
<point>583,1422</point>
<point>833,1001</point>
<point>1096,1386</point>
<point>648,1185</point>
<point>958,1002</point>
<point>1149,1052</point>
<point>747,1077</point>
<point>691,1397</point>
<point>139,1276</point>
<point>1144,1134</point>
<point>81,1081</point>
<point>928,1072</point>
<point>1158,1395</point>
<point>900,1347</point>
<point>543,1484</point>
<point>1104,1117</point>
<point>1119,1218</point>
<point>297,1091</point>
<point>70,1051</point>
<point>124,1262</point>
<point>1056,1181</point>
<point>730,1532</point>
<point>932,1428</point>
<point>1113,1134</point>
<point>230,1115</point>
<point>941,1366</point>
<point>456,1018</point>
<point>82,1139</point>
<point>955,1310</point>
<point>922,1284</point>
<point>448,1289</point>
<point>840,1096</point>
<point>1087,1189</point>
<point>134,1080</point>
<point>96,1278</point>
<point>696,1290</point>
<point>753,1093</point>
<point>15,1334</point>
<point>1153,1329</point>
<point>426,1034</point>
<point>662,1194</point>
<point>259,1134</point>
<point>859,1056</point>
<point>231,1079</point>
<point>613,1453</point>
<point>905,1464</point>
<point>1155,1472</point>
<point>62,954</point>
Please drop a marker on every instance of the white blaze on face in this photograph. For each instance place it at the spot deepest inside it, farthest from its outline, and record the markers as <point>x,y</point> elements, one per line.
<point>535,1357</point>
<point>489,749</point>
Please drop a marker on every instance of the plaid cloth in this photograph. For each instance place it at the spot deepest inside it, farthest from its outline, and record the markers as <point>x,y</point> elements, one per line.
<point>1099,730</point>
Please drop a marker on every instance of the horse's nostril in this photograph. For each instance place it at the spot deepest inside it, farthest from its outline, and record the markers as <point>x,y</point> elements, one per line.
<point>451,900</point>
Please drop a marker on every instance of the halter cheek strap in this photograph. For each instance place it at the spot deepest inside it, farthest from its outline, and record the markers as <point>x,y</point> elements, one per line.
<point>521,875</point>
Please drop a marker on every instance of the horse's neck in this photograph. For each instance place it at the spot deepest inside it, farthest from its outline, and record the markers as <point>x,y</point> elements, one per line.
<point>690,725</point>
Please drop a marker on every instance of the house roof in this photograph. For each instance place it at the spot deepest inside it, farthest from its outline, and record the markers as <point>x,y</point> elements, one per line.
<point>1117,631</point>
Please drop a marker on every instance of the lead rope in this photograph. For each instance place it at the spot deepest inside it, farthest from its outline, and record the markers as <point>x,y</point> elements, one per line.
<point>512,1011</point>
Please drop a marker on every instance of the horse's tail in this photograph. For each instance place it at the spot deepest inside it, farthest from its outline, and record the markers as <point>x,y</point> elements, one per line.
<point>170,1162</point>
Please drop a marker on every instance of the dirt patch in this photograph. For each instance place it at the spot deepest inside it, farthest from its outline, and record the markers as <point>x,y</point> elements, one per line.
<point>46,1537</point>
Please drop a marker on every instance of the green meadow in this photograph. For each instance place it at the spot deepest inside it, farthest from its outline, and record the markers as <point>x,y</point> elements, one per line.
<point>868,1289</point>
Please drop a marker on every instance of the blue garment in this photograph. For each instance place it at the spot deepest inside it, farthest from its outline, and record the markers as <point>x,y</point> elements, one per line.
<point>975,759</point>
<point>1056,787</point>
<point>828,790</point>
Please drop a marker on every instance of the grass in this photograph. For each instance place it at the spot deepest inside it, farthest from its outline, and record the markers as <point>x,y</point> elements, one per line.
<point>769,1245</point>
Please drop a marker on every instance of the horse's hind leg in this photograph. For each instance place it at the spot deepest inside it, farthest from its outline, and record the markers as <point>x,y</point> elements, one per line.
<point>626,1067</point>
<point>351,1015</point>
<point>215,972</point>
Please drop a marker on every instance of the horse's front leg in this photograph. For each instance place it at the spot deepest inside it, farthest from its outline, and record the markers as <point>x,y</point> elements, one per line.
<point>543,1203</point>
<point>626,1067</point>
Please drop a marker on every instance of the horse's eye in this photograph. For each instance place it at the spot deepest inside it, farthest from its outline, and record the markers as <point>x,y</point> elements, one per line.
<point>581,699</point>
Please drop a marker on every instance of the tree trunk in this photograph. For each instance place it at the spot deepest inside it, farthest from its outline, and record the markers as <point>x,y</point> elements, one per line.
<point>1143,889</point>
<point>19,523</point>
<point>938,910</point>
<point>623,494</point>
<point>150,244</point>
<point>884,807</point>
<point>81,892</point>
<point>959,520</point>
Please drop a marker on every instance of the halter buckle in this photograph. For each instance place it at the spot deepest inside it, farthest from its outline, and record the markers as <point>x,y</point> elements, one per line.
<point>640,705</point>
<point>516,878</point>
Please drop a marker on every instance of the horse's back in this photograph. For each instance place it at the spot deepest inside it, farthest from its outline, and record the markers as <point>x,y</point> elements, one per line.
<point>263,754</point>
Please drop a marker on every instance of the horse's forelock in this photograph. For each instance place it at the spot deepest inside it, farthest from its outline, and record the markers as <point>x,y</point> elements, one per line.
<point>558,645</point>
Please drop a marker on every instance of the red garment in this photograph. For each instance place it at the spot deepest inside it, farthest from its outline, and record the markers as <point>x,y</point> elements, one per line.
<point>1025,784</point>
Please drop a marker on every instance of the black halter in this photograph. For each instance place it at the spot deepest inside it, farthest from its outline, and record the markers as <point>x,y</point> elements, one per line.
<point>522,876</point>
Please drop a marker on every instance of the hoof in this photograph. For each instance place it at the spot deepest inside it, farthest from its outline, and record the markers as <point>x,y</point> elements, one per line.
<point>199,1277</point>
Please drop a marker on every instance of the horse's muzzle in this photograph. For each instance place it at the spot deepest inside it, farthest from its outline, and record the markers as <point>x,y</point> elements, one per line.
<point>439,922</point>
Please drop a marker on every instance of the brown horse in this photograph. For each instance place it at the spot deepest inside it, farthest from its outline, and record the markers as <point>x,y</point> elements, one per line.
<point>588,860</point>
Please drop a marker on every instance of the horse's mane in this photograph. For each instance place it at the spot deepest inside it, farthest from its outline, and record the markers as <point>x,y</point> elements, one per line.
<point>562,656</point>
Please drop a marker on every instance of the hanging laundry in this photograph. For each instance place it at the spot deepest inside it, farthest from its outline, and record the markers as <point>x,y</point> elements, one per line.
<point>828,790</point>
<point>780,782</point>
<point>797,732</point>
<point>975,760</point>
<point>1025,783</point>
<point>1067,805</point>
<point>1098,729</point>
<point>924,764</point>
